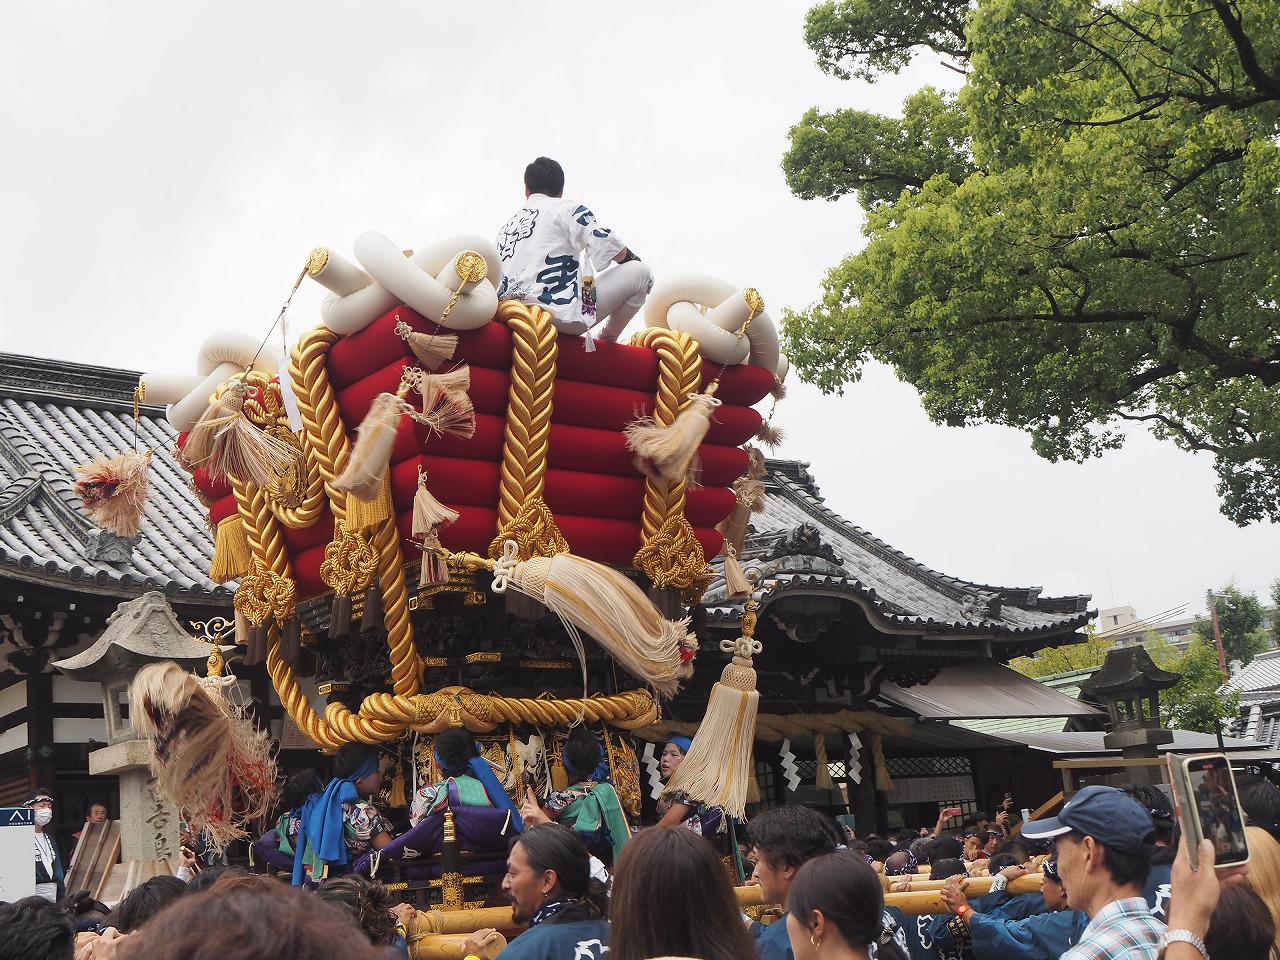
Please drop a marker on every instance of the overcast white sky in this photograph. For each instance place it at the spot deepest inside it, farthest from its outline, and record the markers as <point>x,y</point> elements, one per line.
<point>167,167</point>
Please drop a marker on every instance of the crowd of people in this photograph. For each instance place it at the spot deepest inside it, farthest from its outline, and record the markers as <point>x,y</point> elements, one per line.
<point>1114,883</point>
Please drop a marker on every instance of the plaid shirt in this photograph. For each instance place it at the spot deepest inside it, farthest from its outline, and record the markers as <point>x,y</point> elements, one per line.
<point>1122,930</point>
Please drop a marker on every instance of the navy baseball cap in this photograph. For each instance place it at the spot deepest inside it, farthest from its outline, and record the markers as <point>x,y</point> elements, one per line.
<point>1110,816</point>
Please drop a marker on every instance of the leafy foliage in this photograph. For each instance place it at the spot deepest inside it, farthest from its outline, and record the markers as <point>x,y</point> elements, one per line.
<point>1055,660</point>
<point>1199,701</point>
<point>1240,622</point>
<point>1086,235</point>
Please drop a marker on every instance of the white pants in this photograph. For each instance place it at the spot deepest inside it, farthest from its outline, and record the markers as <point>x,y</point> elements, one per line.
<point>620,293</point>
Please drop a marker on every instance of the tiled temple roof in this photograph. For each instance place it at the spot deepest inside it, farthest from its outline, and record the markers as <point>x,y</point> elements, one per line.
<point>56,415</point>
<point>798,544</point>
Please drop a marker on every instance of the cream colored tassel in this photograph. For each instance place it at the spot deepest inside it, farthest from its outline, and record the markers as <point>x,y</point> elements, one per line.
<point>736,583</point>
<point>822,777</point>
<point>114,491</point>
<point>750,494</point>
<point>670,452</point>
<point>429,517</point>
<point>608,606</point>
<point>431,349</point>
<point>720,763</point>
<point>225,443</point>
<point>370,458</point>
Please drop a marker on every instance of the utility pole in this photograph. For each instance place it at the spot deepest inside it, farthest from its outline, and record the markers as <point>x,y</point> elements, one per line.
<point>1217,637</point>
<point>1222,654</point>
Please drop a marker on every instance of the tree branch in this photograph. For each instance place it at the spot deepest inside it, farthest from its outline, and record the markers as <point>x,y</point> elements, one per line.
<point>1192,441</point>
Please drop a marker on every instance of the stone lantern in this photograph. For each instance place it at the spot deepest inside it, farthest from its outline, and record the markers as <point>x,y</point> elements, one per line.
<point>141,631</point>
<point>1129,685</point>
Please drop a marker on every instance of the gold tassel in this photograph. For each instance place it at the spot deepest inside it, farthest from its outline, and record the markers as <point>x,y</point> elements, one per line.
<point>446,408</point>
<point>225,443</point>
<point>822,777</point>
<point>364,515</point>
<point>779,390</point>
<point>114,491</point>
<point>431,349</point>
<point>605,604</point>
<point>669,452</point>
<point>399,797</point>
<point>429,517</point>
<point>232,554</point>
<point>735,580</point>
<point>242,629</point>
<point>720,762</point>
<point>370,458</point>
<point>753,787</point>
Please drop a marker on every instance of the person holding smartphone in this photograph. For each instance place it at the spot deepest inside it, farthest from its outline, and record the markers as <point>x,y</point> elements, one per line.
<point>1104,843</point>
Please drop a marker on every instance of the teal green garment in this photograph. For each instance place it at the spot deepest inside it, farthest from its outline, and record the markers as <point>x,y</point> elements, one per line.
<point>596,805</point>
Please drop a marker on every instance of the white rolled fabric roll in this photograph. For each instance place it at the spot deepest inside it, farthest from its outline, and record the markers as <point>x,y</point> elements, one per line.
<point>426,282</point>
<point>184,414</point>
<point>711,311</point>
<point>235,347</point>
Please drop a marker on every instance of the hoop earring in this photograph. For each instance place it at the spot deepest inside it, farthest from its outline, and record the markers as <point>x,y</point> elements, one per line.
<point>816,941</point>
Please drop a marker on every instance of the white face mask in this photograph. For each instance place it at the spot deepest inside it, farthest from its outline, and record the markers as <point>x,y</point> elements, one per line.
<point>43,816</point>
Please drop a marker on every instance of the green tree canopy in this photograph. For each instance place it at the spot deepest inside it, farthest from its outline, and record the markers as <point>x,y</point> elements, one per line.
<point>1198,701</point>
<point>1239,621</point>
<point>1087,234</point>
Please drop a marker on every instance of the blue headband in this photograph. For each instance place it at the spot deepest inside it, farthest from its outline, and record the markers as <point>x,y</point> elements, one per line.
<point>684,743</point>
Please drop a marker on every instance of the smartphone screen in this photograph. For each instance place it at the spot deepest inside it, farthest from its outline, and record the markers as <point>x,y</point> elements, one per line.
<point>1212,791</point>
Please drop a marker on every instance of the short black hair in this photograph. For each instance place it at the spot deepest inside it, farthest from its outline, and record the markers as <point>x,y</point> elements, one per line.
<point>879,849</point>
<point>350,758</point>
<point>300,786</point>
<point>946,848</point>
<point>1260,799</point>
<point>999,861</point>
<point>581,753</point>
<point>38,792</point>
<point>1153,800</point>
<point>35,929</point>
<point>144,902</point>
<point>791,835</point>
<point>455,748</point>
<point>947,867</point>
<point>544,175</point>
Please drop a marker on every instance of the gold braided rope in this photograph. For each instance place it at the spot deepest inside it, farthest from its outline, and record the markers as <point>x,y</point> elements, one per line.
<point>679,374</point>
<point>306,513</point>
<point>324,433</point>
<point>406,665</point>
<point>527,437</point>
<point>433,712</point>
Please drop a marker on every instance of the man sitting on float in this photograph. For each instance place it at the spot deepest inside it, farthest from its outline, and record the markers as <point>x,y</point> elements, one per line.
<point>591,805</point>
<point>338,825</point>
<point>472,779</point>
<point>541,246</point>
